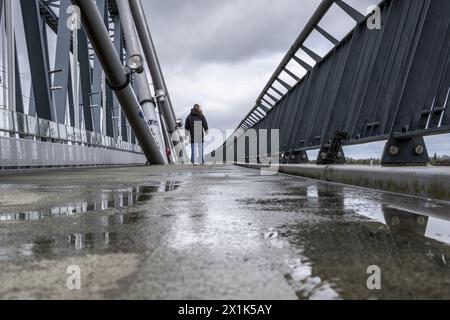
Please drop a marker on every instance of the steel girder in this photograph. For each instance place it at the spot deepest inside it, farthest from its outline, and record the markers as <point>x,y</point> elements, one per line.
<point>38,56</point>
<point>62,63</point>
<point>392,83</point>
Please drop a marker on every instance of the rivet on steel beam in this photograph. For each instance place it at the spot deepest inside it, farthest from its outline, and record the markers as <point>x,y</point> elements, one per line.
<point>394,151</point>
<point>419,150</point>
<point>421,221</point>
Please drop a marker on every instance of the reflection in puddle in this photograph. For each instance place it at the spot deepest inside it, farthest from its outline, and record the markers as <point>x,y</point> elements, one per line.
<point>47,247</point>
<point>412,224</point>
<point>92,240</point>
<point>105,199</point>
<point>408,238</point>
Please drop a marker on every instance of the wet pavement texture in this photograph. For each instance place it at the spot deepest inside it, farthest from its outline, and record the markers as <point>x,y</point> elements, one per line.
<point>220,232</point>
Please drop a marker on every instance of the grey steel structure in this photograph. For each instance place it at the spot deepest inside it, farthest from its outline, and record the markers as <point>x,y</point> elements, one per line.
<point>78,90</point>
<point>388,84</point>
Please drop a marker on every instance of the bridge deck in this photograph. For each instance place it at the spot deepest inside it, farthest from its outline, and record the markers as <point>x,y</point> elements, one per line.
<point>215,232</point>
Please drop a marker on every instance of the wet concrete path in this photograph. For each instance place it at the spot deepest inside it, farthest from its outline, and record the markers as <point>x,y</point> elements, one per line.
<point>215,233</point>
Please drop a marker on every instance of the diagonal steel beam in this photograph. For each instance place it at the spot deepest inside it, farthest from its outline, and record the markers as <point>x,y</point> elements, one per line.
<point>328,36</point>
<point>266,110</point>
<point>267,102</point>
<point>272,97</point>
<point>277,91</point>
<point>305,65</point>
<point>311,53</point>
<point>284,84</point>
<point>352,12</point>
<point>291,74</point>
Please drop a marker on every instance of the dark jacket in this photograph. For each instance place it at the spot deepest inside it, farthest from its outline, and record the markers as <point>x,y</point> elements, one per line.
<point>202,125</point>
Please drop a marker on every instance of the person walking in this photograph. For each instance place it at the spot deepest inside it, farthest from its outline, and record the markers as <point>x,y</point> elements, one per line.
<point>197,126</point>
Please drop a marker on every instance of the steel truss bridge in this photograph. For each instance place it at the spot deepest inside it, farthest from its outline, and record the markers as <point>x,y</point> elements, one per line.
<point>81,85</point>
<point>388,83</point>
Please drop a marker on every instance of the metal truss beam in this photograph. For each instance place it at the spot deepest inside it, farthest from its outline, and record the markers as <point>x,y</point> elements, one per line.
<point>85,79</point>
<point>62,63</point>
<point>371,87</point>
<point>98,85</point>
<point>38,57</point>
<point>328,36</point>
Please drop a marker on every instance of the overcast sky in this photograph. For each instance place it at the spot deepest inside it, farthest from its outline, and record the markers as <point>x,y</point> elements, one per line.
<point>221,53</point>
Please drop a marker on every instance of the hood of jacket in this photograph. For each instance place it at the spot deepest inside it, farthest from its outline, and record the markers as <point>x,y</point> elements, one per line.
<point>195,113</point>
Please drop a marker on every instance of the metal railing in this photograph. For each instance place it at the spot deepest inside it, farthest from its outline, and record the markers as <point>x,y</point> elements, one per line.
<point>29,127</point>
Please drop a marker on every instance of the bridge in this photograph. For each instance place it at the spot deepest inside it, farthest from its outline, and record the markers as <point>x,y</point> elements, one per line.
<point>95,171</point>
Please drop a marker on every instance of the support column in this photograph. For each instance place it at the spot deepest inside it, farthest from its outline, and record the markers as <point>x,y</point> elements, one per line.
<point>118,80</point>
<point>140,79</point>
<point>10,39</point>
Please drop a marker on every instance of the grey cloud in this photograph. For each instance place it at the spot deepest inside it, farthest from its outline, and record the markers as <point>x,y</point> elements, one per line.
<point>225,31</point>
<point>193,35</point>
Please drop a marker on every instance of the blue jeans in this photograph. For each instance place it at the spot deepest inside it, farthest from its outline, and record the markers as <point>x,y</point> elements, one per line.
<point>194,148</point>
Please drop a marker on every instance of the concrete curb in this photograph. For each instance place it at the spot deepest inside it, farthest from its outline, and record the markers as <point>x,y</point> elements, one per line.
<point>429,182</point>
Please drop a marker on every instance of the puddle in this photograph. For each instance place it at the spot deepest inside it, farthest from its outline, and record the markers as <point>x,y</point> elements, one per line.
<point>106,198</point>
<point>411,249</point>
